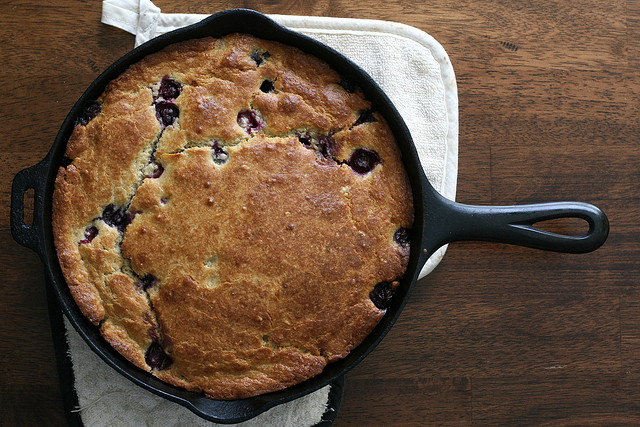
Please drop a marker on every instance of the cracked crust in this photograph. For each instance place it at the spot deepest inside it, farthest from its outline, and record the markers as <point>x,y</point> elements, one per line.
<point>251,253</point>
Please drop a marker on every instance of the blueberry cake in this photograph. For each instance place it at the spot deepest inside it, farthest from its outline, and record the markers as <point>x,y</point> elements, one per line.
<point>233,215</point>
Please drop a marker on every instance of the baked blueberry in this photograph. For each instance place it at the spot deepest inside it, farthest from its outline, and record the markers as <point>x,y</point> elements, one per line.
<point>148,281</point>
<point>363,160</point>
<point>169,88</point>
<point>90,111</point>
<point>402,237</point>
<point>349,85</point>
<point>157,171</point>
<point>365,117</point>
<point>116,217</point>
<point>259,57</point>
<point>305,139</point>
<point>267,86</point>
<point>89,234</point>
<point>156,358</point>
<point>250,120</point>
<point>167,112</point>
<point>382,293</point>
<point>327,146</point>
<point>220,155</point>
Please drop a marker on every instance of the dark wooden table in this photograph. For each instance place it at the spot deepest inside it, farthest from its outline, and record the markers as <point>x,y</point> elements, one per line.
<point>549,95</point>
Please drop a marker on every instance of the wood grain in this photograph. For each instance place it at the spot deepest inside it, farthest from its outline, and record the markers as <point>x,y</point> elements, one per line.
<point>549,96</point>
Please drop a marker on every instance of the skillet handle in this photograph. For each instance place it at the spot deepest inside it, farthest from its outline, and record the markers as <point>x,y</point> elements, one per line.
<point>33,177</point>
<point>515,225</point>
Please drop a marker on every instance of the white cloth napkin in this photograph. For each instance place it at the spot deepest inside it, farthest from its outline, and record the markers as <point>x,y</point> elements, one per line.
<point>415,72</point>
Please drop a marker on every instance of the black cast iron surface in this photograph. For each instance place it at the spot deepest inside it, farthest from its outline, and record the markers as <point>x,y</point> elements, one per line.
<point>438,220</point>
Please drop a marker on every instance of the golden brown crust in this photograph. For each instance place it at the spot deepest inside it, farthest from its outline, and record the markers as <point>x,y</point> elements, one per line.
<point>223,258</point>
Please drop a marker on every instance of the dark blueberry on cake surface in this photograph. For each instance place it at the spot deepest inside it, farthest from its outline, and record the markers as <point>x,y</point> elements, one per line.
<point>326,146</point>
<point>381,294</point>
<point>255,55</point>
<point>157,171</point>
<point>169,88</point>
<point>305,140</point>
<point>220,155</point>
<point>259,57</point>
<point>365,117</point>
<point>90,111</point>
<point>156,358</point>
<point>349,85</point>
<point>363,160</point>
<point>89,234</point>
<point>148,281</point>
<point>250,120</point>
<point>402,237</point>
<point>153,334</point>
<point>116,217</point>
<point>167,112</point>
<point>267,86</point>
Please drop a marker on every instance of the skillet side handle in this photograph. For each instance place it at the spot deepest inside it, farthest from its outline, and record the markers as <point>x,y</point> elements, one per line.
<point>515,225</point>
<point>34,178</point>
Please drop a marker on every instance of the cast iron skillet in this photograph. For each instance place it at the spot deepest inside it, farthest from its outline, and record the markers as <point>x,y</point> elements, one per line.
<point>438,220</point>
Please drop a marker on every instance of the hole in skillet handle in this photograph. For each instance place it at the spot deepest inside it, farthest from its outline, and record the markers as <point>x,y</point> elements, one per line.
<point>28,230</point>
<point>563,226</point>
<point>28,205</point>
<point>515,225</point>
<point>220,24</point>
<point>526,233</point>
